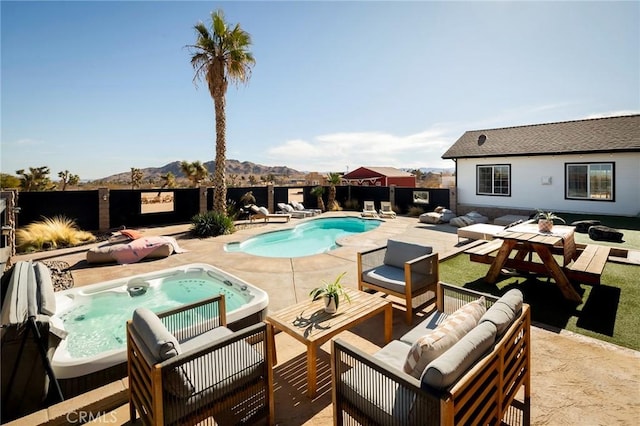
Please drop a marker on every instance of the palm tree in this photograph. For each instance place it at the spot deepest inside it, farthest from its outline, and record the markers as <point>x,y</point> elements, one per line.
<point>333,179</point>
<point>317,192</point>
<point>220,56</point>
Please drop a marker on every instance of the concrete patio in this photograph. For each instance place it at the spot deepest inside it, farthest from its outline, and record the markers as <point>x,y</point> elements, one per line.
<point>575,379</point>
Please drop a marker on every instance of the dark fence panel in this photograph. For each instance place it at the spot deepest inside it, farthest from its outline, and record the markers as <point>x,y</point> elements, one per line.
<point>362,194</point>
<point>81,206</point>
<point>125,208</point>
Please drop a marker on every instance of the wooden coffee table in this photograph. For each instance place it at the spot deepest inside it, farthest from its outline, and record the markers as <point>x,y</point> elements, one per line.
<point>310,324</point>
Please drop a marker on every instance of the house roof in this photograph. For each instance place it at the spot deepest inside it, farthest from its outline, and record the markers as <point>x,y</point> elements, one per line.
<point>382,171</point>
<point>613,134</point>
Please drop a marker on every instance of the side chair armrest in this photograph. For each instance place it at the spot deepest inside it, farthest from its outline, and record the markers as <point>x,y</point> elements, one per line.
<point>373,257</point>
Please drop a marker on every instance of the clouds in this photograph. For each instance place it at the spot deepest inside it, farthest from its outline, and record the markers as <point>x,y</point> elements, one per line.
<point>338,151</point>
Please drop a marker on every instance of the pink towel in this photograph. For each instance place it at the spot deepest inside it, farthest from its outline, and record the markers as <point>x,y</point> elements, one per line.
<point>138,249</point>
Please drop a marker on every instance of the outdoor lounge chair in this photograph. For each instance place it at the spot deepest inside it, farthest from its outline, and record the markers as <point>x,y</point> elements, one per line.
<point>184,375</point>
<point>300,207</point>
<point>369,209</point>
<point>287,209</point>
<point>386,210</point>
<point>401,269</point>
<point>263,213</point>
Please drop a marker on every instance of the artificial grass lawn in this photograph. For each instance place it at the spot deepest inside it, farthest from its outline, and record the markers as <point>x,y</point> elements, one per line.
<point>609,312</point>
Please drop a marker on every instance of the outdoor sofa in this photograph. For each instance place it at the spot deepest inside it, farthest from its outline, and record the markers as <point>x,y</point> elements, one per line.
<point>474,381</point>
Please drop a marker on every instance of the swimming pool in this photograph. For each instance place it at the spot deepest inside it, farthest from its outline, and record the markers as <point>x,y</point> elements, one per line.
<point>305,239</point>
<point>95,315</point>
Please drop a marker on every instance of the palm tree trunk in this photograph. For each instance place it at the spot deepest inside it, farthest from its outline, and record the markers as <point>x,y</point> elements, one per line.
<point>219,181</point>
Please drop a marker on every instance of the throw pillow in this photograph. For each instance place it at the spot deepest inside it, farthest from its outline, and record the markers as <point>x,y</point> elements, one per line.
<point>444,336</point>
<point>132,234</point>
<point>399,252</point>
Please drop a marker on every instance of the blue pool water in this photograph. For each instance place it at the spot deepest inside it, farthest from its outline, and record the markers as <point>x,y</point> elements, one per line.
<point>308,238</point>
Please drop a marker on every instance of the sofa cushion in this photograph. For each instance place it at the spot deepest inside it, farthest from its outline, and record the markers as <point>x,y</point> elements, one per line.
<point>426,326</point>
<point>400,252</point>
<point>392,278</point>
<point>445,370</point>
<point>45,293</point>
<point>504,310</point>
<point>430,346</point>
<point>393,353</point>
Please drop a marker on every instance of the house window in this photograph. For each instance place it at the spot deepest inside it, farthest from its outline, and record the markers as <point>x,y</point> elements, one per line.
<point>589,181</point>
<point>494,180</point>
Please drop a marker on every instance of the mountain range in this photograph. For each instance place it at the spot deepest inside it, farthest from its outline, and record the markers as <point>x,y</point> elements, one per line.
<point>232,167</point>
<point>244,168</point>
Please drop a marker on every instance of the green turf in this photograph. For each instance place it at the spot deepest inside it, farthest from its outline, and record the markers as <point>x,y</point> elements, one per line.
<point>609,311</point>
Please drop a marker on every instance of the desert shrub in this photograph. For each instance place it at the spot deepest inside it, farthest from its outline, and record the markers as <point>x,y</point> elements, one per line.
<point>415,211</point>
<point>211,224</point>
<point>51,233</point>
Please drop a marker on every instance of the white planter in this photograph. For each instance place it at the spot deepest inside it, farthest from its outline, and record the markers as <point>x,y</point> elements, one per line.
<point>330,305</point>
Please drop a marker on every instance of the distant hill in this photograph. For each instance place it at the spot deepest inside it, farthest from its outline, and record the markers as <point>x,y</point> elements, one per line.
<point>245,168</point>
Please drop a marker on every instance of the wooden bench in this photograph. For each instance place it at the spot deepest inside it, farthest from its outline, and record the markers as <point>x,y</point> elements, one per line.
<point>484,250</point>
<point>589,265</point>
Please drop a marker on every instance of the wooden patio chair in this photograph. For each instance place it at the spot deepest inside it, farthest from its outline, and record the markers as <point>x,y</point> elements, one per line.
<point>401,269</point>
<point>185,366</point>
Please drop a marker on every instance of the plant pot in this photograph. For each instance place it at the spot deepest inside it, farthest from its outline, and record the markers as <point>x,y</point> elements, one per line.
<point>545,225</point>
<point>330,305</point>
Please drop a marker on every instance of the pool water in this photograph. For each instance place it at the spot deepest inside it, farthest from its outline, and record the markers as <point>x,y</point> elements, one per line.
<point>98,324</point>
<point>305,239</point>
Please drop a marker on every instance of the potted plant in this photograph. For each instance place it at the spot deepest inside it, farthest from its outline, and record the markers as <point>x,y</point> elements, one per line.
<point>331,293</point>
<point>545,220</point>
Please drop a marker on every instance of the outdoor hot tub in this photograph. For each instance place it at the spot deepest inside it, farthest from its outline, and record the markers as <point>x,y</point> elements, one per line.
<point>95,316</point>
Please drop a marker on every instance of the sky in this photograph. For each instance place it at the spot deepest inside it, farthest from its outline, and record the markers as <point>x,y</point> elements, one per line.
<point>99,87</point>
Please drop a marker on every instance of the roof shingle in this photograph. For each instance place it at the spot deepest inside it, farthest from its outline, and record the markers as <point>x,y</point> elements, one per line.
<point>613,134</point>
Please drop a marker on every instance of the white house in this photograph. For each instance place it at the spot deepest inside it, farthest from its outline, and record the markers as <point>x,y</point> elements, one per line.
<point>583,166</point>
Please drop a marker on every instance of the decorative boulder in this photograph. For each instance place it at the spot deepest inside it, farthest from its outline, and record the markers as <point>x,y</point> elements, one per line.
<point>582,226</point>
<point>604,233</point>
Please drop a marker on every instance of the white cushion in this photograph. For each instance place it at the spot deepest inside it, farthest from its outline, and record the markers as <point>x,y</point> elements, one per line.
<point>429,347</point>
<point>263,210</point>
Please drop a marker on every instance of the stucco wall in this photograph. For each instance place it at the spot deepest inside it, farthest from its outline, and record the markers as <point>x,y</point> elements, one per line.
<point>529,193</point>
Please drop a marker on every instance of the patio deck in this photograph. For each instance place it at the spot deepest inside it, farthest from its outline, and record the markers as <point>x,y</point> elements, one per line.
<point>575,379</point>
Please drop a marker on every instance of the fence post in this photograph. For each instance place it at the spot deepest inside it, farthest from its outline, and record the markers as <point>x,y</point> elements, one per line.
<point>392,194</point>
<point>202,190</point>
<point>270,198</point>
<point>104,221</point>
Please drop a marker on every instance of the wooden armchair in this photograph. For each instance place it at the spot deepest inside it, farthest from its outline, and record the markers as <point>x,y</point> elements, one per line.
<point>401,269</point>
<point>186,366</point>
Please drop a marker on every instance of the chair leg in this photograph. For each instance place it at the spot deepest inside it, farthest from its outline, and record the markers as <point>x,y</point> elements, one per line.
<point>409,305</point>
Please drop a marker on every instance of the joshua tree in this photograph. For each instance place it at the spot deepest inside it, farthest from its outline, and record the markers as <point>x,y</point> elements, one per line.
<point>68,179</point>
<point>317,192</point>
<point>169,180</point>
<point>252,180</point>
<point>333,179</point>
<point>136,178</point>
<point>37,179</point>
<point>221,55</point>
<point>196,172</point>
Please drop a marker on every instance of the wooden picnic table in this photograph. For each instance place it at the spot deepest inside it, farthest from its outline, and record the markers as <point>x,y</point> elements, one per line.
<point>525,239</point>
